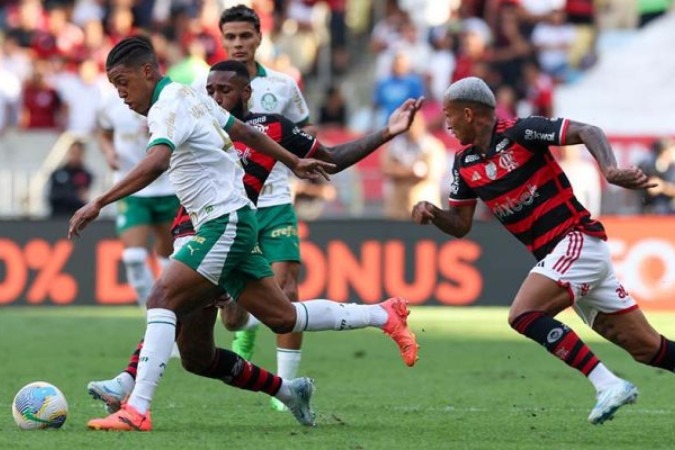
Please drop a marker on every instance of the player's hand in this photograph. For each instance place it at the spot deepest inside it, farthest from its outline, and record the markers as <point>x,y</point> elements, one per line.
<point>312,169</point>
<point>402,117</point>
<point>83,217</point>
<point>632,178</point>
<point>423,213</point>
<point>658,188</point>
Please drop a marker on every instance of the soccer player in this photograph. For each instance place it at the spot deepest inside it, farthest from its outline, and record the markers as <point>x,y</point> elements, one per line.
<point>273,93</point>
<point>123,137</point>
<point>190,137</point>
<point>229,85</point>
<point>509,166</point>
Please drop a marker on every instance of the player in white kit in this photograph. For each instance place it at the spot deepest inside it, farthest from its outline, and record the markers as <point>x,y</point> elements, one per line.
<point>123,138</point>
<point>190,138</point>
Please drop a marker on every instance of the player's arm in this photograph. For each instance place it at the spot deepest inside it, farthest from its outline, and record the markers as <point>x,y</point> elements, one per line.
<point>145,172</point>
<point>349,153</point>
<point>303,168</point>
<point>598,145</point>
<point>455,221</point>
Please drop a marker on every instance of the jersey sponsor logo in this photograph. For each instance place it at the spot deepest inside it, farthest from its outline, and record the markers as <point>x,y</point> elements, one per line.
<point>260,127</point>
<point>511,205</point>
<point>502,145</point>
<point>269,101</point>
<point>531,135</point>
<point>554,335</point>
<point>256,120</point>
<point>507,161</point>
<point>471,158</point>
<point>491,170</point>
<point>243,154</point>
<point>454,186</point>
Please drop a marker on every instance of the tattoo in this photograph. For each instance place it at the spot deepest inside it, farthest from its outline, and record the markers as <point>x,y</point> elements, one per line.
<point>349,153</point>
<point>595,140</point>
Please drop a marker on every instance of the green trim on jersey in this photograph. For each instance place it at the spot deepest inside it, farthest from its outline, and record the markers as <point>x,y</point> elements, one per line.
<point>158,89</point>
<point>161,141</point>
<point>228,125</point>
<point>260,72</point>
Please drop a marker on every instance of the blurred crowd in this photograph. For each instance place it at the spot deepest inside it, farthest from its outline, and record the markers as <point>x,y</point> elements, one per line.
<point>52,56</point>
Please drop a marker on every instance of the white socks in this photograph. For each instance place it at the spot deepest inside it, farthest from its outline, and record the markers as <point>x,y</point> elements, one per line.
<point>138,272</point>
<point>320,315</point>
<point>160,335</point>
<point>601,377</point>
<point>288,361</point>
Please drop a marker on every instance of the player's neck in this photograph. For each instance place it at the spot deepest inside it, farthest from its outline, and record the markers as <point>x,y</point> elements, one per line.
<point>484,132</point>
<point>252,67</point>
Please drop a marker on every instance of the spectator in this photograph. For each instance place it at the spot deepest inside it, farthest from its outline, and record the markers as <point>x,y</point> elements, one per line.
<point>69,184</point>
<point>441,64</point>
<point>506,103</point>
<point>583,176</point>
<point>538,89</point>
<point>81,94</point>
<point>553,39</point>
<point>190,66</point>
<point>393,90</point>
<point>333,111</point>
<point>511,47</point>
<point>660,167</point>
<point>10,91</point>
<point>41,106</point>
<point>413,165</point>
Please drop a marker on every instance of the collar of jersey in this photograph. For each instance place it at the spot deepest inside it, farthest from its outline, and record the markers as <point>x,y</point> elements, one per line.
<point>261,72</point>
<point>158,89</point>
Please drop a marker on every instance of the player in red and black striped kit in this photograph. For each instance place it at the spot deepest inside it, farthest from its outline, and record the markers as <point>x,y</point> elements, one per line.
<point>509,166</point>
<point>229,84</point>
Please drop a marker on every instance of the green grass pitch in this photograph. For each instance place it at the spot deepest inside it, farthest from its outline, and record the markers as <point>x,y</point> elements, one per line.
<point>478,385</point>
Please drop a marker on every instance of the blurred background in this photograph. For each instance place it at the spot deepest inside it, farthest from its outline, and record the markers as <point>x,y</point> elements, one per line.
<point>606,62</point>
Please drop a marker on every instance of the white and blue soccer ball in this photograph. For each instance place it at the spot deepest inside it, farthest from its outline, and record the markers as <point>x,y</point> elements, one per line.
<point>39,405</point>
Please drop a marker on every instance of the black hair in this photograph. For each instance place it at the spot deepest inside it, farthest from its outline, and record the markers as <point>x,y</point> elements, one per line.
<point>132,51</point>
<point>240,13</point>
<point>231,65</point>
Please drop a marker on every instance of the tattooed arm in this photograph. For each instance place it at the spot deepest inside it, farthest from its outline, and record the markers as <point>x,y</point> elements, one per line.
<point>347,154</point>
<point>598,145</point>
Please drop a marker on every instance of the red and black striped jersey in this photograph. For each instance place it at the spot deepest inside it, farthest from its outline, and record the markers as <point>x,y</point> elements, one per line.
<point>523,185</point>
<point>257,166</point>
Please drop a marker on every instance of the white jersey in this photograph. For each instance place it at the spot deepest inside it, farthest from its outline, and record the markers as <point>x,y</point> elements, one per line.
<point>273,93</point>
<point>130,138</point>
<point>204,168</point>
<point>277,93</point>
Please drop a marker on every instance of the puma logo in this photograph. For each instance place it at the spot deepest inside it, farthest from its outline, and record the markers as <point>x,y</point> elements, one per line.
<point>192,250</point>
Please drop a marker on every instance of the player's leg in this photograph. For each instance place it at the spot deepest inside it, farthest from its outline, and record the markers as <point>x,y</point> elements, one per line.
<point>113,391</point>
<point>259,293</point>
<point>289,345</point>
<point>162,211</point>
<point>632,332</point>
<point>201,357</point>
<point>189,282</point>
<point>133,219</point>
<point>567,274</point>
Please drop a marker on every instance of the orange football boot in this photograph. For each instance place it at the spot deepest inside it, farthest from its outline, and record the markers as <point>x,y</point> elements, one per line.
<point>397,328</point>
<point>126,419</point>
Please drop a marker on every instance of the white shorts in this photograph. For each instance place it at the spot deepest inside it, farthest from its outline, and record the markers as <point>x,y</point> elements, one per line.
<point>582,264</point>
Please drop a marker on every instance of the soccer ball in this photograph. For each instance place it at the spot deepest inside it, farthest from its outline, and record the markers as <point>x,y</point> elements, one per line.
<point>39,405</point>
